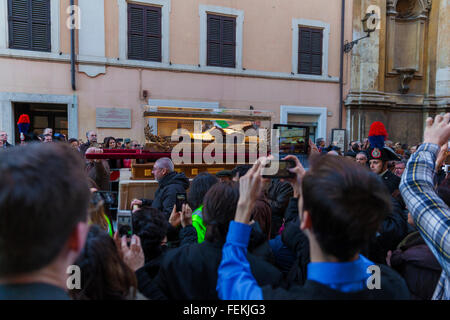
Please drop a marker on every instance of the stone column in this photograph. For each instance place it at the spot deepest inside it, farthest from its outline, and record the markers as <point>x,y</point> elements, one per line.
<point>7,119</point>
<point>443,50</point>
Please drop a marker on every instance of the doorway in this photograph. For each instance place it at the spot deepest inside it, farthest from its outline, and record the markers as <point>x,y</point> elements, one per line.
<point>42,115</point>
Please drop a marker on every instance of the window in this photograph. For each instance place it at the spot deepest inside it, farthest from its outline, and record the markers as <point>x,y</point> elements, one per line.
<point>144,33</point>
<point>29,25</point>
<point>221,41</point>
<point>310,51</point>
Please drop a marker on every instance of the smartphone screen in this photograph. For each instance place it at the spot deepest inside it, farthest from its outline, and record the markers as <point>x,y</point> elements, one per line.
<point>282,172</point>
<point>124,224</point>
<point>181,198</point>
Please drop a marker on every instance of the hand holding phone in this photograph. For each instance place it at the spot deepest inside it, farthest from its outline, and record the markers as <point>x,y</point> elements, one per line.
<point>124,224</point>
<point>181,199</point>
<point>278,169</point>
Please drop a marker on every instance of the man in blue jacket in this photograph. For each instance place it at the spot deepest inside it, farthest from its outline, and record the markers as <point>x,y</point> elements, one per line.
<point>341,205</point>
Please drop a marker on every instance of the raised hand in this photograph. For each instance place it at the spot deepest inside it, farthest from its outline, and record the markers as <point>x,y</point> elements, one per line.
<point>437,131</point>
<point>175,217</point>
<point>250,186</point>
<point>186,215</point>
<point>299,171</point>
<point>133,256</point>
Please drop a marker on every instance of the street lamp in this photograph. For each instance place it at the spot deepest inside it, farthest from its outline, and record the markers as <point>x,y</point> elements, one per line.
<point>369,22</point>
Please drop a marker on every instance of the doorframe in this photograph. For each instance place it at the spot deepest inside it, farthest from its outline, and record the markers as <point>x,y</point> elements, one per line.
<point>7,100</point>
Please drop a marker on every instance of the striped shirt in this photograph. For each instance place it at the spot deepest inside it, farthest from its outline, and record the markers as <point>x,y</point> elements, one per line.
<point>431,215</point>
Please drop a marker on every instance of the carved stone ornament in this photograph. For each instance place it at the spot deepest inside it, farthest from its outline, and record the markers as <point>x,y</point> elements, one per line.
<point>408,9</point>
<point>406,75</point>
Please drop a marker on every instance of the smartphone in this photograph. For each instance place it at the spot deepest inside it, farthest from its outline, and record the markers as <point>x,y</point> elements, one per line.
<point>282,172</point>
<point>181,199</point>
<point>124,223</point>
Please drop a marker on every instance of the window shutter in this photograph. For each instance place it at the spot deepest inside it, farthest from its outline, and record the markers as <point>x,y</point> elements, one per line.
<point>144,33</point>
<point>221,41</point>
<point>213,39</point>
<point>316,52</point>
<point>228,42</point>
<point>40,25</point>
<point>310,51</point>
<point>153,34</point>
<point>304,65</point>
<point>29,25</point>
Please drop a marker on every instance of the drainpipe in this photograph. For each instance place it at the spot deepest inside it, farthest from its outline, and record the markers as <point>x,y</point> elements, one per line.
<point>72,48</point>
<point>341,67</point>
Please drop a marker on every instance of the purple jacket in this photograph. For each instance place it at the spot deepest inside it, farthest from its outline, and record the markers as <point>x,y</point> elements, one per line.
<point>418,266</point>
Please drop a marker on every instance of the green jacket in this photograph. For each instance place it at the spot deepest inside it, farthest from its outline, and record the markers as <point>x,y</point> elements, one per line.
<point>197,223</point>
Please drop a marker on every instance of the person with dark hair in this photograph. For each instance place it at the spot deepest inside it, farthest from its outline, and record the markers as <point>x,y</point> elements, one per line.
<point>278,195</point>
<point>98,170</point>
<point>239,171</point>
<point>104,274</point>
<point>341,205</point>
<point>224,175</point>
<point>151,226</point>
<point>190,272</point>
<point>74,143</point>
<point>97,213</point>
<point>199,187</point>
<point>44,198</point>
<point>111,143</point>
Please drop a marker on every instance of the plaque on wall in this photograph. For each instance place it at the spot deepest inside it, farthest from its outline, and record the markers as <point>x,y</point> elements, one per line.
<point>113,118</point>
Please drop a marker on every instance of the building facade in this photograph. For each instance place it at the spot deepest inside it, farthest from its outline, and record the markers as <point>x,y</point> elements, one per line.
<point>401,74</point>
<point>282,56</point>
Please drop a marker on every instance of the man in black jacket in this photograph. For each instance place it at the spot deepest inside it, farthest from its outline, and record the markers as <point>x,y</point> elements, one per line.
<point>170,183</point>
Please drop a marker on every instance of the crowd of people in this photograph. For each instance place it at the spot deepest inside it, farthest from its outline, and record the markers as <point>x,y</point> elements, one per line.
<point>238,236</point>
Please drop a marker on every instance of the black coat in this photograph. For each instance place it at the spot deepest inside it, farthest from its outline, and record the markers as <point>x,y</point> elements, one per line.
<point>394,229</point>
<point>393,287</point>
<point>166,194</point>
<point>296,240</point>
<point>391,181</point>
<point>190,272</point>
<point>278,195</point>
<point>146,274</point>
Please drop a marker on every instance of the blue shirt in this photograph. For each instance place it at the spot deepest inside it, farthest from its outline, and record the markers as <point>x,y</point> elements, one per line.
<point>236,282</point>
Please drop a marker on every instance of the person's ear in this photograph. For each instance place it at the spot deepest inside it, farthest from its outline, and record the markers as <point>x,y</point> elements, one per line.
<point>305,222</point>
<point>77,238</point>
